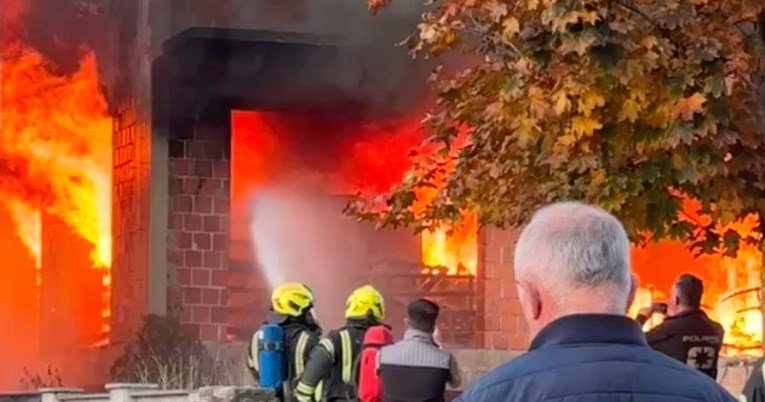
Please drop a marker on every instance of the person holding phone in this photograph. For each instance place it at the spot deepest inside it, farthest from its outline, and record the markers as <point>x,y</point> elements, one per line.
<point>686,334</point>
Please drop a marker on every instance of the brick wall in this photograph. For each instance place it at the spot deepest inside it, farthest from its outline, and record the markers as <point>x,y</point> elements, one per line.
<point>499,320</point>
<point>198,229</point>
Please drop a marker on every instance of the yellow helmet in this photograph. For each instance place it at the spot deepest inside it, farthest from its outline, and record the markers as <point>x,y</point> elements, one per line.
<point>292,299</point>
<point>365,302</point>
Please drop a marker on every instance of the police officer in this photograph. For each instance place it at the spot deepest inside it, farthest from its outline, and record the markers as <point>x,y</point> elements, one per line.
<point>292,309</point>
<point>330,366</point>
<point>687,334</point>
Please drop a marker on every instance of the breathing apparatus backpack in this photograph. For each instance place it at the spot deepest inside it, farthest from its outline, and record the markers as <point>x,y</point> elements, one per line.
<point>271,357</point>
<point>370,384</point>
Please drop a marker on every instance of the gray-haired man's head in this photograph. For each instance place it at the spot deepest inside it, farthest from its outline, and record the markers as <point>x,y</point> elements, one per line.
<point>572,258</point>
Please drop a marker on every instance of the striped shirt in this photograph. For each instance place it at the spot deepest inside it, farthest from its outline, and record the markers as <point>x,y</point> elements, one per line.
<point>415,369</point>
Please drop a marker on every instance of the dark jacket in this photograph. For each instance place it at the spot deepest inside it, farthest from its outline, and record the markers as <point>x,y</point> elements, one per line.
<point>754,390</point>
<point>689,337</point>
<point>330,364</point>
<point>594,358</point>
<point>415,369</point>
<point>300,337</point>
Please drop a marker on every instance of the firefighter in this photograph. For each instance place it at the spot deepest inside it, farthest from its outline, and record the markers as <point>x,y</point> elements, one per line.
<point>292,309</point>
<point>330,366</point>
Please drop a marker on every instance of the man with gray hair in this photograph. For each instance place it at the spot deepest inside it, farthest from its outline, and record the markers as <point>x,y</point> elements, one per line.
<point>574,282</point>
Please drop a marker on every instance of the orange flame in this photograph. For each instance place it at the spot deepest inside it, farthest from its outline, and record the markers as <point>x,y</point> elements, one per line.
<point>56,153</point>
<point>59,127</point>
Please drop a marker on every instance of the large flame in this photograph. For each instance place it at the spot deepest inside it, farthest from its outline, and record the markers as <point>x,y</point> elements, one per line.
<point>55,151</point>
<point>375,157</point>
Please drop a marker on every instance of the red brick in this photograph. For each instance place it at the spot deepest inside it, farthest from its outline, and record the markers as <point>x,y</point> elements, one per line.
<point>182,204</point>
<point>203,205</point>
<point>210,187</point>
<point>175,186</point>
<point>493,290</point>
<point>211,296</point>
<point>514,307</point>
<point>203,168</point>
<point>200,277</point>
<point>219,315</point>
<point>493,323</point>
<point>213,259</point>
<point>191,185</point>
<point>519,342</point>
<point>200,314</point>
<point>219,278</point>
<point>223,297</point>
<point>175,222</point>
<point>192,259</point>
<point>211,224</point>
<point>182,240</point>
<point>202,241</point>
<point>492,254</point>
<point>186,315</point>
<point>210,332</point>
<point>510,324</point>
<point>225,225</point>
<point>180,167</point>
<point>183,275</point>
<point>193,223</point>
<point>508,289</point>
<point>222,205</point>
<point>175,257</point>
<point>220,242</point>
<point>196,149</point>
<point>499,341</point>
<point>192,296</point>
<point>221,169</point>
<point>192,329</point>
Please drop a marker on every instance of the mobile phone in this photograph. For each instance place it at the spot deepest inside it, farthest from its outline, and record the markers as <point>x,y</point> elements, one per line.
<point>659,308</point>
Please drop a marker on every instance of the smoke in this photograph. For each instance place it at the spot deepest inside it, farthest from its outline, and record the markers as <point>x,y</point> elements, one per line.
<point>299,234</point>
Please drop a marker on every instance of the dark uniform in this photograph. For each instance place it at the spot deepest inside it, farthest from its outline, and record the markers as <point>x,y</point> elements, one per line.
<point>690,337</point>
<point>300,337</point>
<point>754,390</point>
<point>331,364</point>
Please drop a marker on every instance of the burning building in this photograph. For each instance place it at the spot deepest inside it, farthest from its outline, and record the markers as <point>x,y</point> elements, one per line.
<point>201,151</point>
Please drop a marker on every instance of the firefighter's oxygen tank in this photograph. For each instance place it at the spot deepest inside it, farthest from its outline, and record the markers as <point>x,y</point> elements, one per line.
<point>271,357</point>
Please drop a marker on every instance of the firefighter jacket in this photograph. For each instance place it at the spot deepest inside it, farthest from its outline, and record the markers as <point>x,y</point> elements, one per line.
<point>754,390</point>
<point>689,337</point>
<point>300,338</point>
<point>330,365</point>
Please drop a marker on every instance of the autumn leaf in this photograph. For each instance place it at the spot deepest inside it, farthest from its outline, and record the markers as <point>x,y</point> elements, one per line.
<point>562,103</point>
<point>629,111</point>
<point>511,27</point>
<point>589,101</point>
<point>532,5</point>
<point>585,126</point>
<point>685,108</point>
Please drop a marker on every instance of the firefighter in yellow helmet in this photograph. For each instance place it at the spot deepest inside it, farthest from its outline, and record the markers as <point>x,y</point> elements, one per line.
<point>291,308</point>
<point>329,369</point>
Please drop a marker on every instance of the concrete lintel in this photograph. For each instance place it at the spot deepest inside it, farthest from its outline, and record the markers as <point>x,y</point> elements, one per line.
<point>131,386</point>
<point>60,390</point>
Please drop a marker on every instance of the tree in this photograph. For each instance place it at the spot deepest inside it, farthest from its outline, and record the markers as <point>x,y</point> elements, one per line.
<point>634,105</point>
